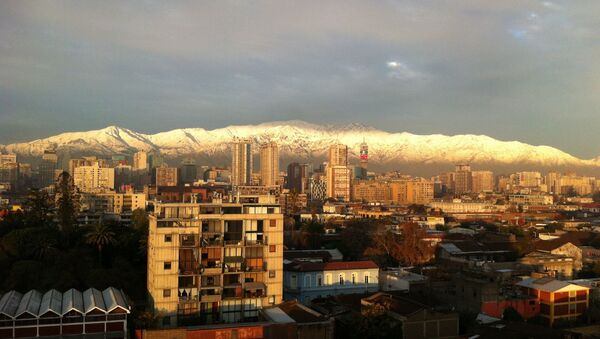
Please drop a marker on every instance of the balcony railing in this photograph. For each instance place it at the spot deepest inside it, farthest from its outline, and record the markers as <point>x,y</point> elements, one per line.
<point>255,242</point>
<point>188,240</point>
<point>211,242</point>
<point>255,268</point>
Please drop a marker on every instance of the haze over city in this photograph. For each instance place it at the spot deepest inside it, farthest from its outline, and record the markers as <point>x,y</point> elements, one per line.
<point>513,70</point>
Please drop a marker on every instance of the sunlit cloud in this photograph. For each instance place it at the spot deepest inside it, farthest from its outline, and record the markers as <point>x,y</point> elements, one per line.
<point>399,70</point>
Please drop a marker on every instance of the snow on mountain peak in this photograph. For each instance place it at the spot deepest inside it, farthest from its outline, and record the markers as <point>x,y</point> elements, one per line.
<point>305,140</point>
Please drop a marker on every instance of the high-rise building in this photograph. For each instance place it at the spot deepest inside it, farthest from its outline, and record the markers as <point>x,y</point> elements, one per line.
<point>338,155</point>
<point>371,191</point>
<point>364,155</point>
<point>86,161</point>
<point>9,158</point>
<point>483,181</point>
<point>140,161</point>
<point>317,187</point>
<point>241,162</point>
<point>47,168</point>
<point>269,164</point>
<point>94,177</point>
<point>528,179</point>
<point>189,171</point>
<point>297,177</point>
<point>553,182</point>
<point>412,191</point>
<point>215,262</point>
<point>167,176</point>
<point>463,181</point>
<point>338,182</point>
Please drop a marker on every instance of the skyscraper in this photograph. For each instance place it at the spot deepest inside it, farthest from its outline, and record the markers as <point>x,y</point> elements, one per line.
<point>167,176</point>
<point>338,182</point>
<point>47,168</point>
<point>93,177</point>
<point>241,162</point>
<point>189,171</point>
<point>338,155</point>
<point>269,164</point>
<point>463,181</point>
<point>298,177</point>
<point>140,161</point>
<point>483,181</point>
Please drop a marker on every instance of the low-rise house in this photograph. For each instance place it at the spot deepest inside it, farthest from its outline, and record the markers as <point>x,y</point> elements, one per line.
<point>306,281</point>
<point>559,247</point>
<point>556,265</point>
<point>399,279</point>
<point>559,300</point>
<point>472,252</point>
<point>418,320</point>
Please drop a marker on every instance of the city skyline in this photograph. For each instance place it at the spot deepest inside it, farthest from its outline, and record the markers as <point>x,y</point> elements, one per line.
<point>397,66</point>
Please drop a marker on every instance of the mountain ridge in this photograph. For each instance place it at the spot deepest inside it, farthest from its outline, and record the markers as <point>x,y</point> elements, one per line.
<point>301,139</point>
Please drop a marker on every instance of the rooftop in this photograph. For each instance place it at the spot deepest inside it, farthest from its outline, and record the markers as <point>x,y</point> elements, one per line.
<point>330,266</point>
<point>14,304</point>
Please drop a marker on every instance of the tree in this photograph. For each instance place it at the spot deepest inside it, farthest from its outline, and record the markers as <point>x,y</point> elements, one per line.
<point>596,196</point>
<point>39,209</point>
<point>139,220</point>
<point>100,236</point>
<point>66,205</point>
<point>412,250</point>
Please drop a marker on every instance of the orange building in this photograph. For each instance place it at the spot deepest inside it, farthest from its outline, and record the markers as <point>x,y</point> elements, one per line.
<point>558,299</point>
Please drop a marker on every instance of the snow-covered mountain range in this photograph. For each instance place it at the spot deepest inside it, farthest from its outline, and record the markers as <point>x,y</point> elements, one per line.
<point>301,140</point>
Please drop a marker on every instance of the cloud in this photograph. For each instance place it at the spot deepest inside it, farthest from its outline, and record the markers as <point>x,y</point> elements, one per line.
<point>78,65</point>
<point>399,70</point>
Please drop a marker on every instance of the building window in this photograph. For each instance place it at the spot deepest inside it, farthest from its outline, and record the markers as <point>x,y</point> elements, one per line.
<point>272,223</point>
<point>272,248</point>
<point>319,280</point>
<point>367,278</point>
<point>168,238</point>
<point>293,281</point>
<point>166,293</point>
<point>307,280</point>
<point>272,299</point>
<point>353,278</point>
<point>342,279</point>
<point>167,265</point>
<point>166,321</point>
<point>272,274</point>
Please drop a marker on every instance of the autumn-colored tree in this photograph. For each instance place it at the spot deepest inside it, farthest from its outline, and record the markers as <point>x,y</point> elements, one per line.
<point>412,250</point>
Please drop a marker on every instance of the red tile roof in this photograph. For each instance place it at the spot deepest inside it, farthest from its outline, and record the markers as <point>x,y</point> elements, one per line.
<point>330,266</point>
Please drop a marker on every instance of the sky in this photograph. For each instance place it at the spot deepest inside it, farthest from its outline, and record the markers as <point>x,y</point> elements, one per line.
<point>513,70</point>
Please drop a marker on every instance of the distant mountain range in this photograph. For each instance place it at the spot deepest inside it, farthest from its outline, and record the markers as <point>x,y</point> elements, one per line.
<point>301,140</point>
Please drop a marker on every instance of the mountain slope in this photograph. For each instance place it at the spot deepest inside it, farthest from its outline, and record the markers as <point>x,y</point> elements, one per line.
<point>298,139</point>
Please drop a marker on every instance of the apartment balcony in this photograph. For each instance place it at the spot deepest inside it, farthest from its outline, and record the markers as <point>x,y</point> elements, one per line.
<point>233,292</point>
<point>234,242</point>
<point>212,267</point>
<point>187,294</point>
<point>255,290</point>
<point>210,295</point>
<point>210,298</point>
<point>190,271</point>
<point>255,242</point>
<point>250,266</point>
<point>211,242</point>
<point>188,240</point>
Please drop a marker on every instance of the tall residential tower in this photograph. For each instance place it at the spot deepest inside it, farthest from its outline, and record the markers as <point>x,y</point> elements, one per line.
<point>241,162</point>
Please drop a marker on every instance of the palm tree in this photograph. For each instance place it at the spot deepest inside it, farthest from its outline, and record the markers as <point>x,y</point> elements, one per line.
<point>100,236</point>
